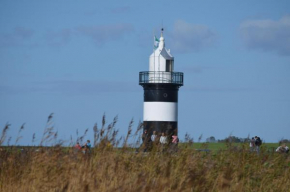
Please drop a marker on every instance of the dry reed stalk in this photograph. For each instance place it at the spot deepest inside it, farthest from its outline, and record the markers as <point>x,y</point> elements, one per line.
<point>18,135</point>
<point>4,133</point>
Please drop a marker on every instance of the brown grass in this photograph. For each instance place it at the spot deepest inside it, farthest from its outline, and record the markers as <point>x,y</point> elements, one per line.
<point>108,168</point>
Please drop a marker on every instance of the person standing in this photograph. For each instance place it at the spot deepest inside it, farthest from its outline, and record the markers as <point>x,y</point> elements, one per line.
<point>88,144</point>
<point>258,143</point>
<point>153,136</point>
<point>78,146</point>
<point>174,143</point>
<point>252,144</point>
<point>87,147</point>
<point>163,141</point>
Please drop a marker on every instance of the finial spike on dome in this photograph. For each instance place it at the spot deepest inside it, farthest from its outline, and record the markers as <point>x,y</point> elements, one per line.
<point>162,32</point>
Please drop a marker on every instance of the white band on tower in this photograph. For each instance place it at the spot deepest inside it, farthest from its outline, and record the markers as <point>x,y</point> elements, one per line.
<point>160,111</point>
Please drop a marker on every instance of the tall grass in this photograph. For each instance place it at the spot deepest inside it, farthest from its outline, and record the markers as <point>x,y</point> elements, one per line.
<point>109,168</point>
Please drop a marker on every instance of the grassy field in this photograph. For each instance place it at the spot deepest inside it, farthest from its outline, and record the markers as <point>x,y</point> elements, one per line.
<point>225,167</point>
<point>222,146</point>
<point>110,169</point>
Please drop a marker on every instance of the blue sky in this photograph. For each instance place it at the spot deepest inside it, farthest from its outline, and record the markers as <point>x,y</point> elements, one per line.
<point>81,59</point>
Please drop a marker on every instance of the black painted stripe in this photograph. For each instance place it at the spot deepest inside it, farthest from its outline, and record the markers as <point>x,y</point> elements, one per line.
<point>164,92</point>
<point>167,127</point>
<point>161,95</point>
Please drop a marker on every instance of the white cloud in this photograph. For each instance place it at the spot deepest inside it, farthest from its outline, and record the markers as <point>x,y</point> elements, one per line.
<point>103,33</point>
<point>19,36</point>
<point>187,37</point>
<point>267,35</point>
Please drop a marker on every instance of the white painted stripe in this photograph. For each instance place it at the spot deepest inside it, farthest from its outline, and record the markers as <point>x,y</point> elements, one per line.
<point>160,111</point>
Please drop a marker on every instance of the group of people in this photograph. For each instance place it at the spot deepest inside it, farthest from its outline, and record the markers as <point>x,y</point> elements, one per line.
<point>86,148</point>
<point>163,140</point>
<point>255,144</point>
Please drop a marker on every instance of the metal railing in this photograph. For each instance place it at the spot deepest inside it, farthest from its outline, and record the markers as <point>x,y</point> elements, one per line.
<point>160,77</point>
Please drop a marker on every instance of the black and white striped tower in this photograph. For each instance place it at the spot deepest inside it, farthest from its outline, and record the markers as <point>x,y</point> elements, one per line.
<point>161,85</point>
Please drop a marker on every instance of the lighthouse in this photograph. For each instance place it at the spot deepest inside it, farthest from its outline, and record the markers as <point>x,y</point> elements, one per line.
<point>161,85</point>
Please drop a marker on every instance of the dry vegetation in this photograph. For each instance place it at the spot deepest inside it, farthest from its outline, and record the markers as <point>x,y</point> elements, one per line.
<point>108,168</point>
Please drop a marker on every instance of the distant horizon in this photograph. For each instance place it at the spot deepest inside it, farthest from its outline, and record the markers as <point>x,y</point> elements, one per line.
<point>66,143</point>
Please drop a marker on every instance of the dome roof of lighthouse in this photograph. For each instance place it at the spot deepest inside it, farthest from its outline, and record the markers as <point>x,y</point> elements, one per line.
<point>161,50</point>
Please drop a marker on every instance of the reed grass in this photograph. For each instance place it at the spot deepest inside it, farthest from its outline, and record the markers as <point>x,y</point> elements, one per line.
<point>112,166</point>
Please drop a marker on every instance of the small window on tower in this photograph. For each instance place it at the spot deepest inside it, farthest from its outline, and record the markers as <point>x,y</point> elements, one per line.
<point>169,65</point>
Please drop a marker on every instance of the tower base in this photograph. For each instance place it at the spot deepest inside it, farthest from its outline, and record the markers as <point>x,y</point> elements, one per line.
<point>167,127</point>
